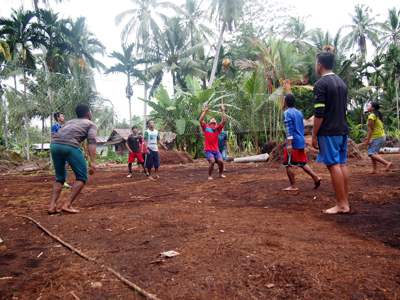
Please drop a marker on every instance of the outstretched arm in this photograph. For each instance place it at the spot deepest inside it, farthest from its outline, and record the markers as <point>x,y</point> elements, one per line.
<point>288,89</point>
<point>223,116</point>
<point>203,115</point>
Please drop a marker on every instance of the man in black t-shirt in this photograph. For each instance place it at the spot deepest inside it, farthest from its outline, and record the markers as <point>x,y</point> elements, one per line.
<point>331,130</point>
<point>134,144</point>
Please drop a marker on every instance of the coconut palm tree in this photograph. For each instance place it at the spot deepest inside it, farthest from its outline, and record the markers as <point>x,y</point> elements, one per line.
<point>193,17</point>
<point>141,24</point>
<point>227,13</point>
<point>297,28</point>
<point>390,30</point>
<point>363,28</point>
<point>128,65</point>
<point>173,49</point>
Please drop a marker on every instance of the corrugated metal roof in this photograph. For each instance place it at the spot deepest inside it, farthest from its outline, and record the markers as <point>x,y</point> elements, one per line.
<point>101,139</point>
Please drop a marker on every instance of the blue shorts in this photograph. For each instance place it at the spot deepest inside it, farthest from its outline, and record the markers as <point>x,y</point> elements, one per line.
<point>76,160</point>
<point>223,153</point>
<point>332,149</point>
<point>376,145</point>
<point>210,154</point>
<point>152,159</point>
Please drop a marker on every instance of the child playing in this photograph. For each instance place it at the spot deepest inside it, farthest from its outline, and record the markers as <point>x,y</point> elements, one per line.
<point>134,146</point>
<point>151,138</point>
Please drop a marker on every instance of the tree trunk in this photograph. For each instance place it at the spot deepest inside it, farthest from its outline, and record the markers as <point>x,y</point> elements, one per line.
<point>145,104</point>
<point>129,99</point>
<point>214,68</point>
<point>26,122</point>
<point>21,133</point>
<point>5,130</point>
<point>42,134</point>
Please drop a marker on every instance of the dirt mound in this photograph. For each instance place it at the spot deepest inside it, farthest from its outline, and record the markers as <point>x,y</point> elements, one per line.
<point>391,141</point>
<point>174,157</point>
<point>34,166</point>
<point>278,152</point>
<point>9,160</point>
<point>268,147</point>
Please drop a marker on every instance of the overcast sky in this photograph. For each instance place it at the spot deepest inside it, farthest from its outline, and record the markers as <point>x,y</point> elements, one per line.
<point>100,15</point>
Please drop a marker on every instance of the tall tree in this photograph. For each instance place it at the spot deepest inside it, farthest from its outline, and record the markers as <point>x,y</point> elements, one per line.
<point>128,65</point>
<point>141,24</point>
<point>390,30</point>
<point>363,28</point>
<point>227,13</point>
<point>23,33</point>
<point>297,28</point>
<point>173,49</point>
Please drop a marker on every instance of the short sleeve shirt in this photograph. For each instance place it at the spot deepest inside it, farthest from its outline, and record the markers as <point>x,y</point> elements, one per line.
<point>222,137</point>
<point>56,127</point>
<point>211,136</point>
<point>378,127</point>
<point>75,132</point>
<point>133,143</point>
<point>152,137</point>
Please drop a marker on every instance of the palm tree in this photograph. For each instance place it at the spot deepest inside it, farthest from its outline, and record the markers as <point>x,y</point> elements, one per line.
<point>173,49</point>
<point>127,65</point>
<point>228,12</point>
<point>82,45</point>
<point>23,33</point>
<point>141,24</point>
<point>193,17</point>
<point>363,28</point>
<point>390,30</point>
<point>297,28</point>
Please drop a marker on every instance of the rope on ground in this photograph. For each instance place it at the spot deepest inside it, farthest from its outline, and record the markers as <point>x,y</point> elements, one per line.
<point>80,253</point>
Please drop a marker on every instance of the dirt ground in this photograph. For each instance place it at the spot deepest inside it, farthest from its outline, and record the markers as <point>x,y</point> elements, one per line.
<point>238,238</point>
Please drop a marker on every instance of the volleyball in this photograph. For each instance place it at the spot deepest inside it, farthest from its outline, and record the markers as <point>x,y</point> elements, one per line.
<point>226,63</point>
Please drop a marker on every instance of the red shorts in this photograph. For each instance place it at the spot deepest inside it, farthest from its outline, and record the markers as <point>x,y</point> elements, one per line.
<point>298,158</point>
<point>137,155</point>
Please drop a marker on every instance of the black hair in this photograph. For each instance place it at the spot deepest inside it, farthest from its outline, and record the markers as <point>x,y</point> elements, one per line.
<point>149,122</point>
<point>212,118</point>
<point>82,110</point>
<point>326,57</point>
<point>56,115</point>
<point>377,113</point>
<point>290,100</point>
<point>140,133</point>
<point>133,127</point>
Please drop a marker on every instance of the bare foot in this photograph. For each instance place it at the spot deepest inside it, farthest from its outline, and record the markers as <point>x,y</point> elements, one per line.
<point>290,188</point>
<point>151,178</point>
<point>335,210</point>
<point>373,172</point>
<point>156,177</point>
<point>317,183</point>
<point>210,178</point>
<point>52,211</point>
<point>221,176</point>
<point>388,166</point>
<point>69,209</point>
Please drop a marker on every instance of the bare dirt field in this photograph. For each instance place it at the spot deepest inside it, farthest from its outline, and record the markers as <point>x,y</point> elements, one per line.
<point>238,238</point>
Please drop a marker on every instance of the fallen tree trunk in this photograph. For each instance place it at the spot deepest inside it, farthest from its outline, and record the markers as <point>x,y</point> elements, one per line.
<point>255,158</point>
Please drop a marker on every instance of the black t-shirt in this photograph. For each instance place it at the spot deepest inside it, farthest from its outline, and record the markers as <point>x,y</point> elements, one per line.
<point>133,143</point>
<point>330,103</point>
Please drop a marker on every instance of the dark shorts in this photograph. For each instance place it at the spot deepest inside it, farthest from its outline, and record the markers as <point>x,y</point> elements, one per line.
<point>76,160</point>
<point>332,149</point>
<point>152,159</point>
<point>210,154</point>
<point>132,157</point>
<point>298,158</point>
<point>144,159</point>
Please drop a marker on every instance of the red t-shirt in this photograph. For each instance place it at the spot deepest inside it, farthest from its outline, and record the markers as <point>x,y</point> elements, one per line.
<point>211,136</point>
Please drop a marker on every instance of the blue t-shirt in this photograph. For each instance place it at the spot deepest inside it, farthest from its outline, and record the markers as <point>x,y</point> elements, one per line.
<point>56,127</point>
<point>294,126</point>
<point>222,137</point>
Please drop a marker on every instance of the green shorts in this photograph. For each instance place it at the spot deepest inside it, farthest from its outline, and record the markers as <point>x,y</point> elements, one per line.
<point>76,160</point>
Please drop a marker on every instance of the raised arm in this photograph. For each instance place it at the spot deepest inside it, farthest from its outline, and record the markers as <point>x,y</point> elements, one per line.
<point>223,116</point>
<point>288,89</point>
<point>203,115</point>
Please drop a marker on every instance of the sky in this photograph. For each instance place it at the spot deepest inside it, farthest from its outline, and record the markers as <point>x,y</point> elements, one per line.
<point>100,15</point>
